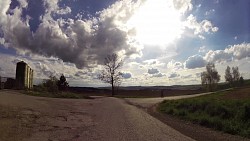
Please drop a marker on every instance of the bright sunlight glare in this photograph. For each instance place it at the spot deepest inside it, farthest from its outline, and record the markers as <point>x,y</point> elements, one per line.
<point>156,22</point>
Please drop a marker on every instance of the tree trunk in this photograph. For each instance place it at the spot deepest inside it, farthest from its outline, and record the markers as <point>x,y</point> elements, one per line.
<point>113,90</point>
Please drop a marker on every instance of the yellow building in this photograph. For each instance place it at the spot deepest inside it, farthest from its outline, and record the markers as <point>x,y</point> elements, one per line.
<point>24,76</point>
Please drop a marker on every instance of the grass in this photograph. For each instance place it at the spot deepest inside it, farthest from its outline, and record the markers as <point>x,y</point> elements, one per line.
<point>136,96</point>
<point>68,95</point>
<point>214,111</point>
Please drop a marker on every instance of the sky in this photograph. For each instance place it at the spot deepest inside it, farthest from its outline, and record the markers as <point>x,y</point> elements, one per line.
<point>162,42</point>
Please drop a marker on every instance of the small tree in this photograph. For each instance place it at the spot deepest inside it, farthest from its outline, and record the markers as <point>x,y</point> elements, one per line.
<point>62,83</point>
<point>241,81</point>
<point>210,77</point>
<point>236,75</point>
<point>110,73</point>
<point>51,84</point>
<point>228,75</point>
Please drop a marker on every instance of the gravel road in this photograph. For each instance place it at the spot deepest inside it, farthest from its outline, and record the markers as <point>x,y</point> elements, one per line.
<point>103,119</point>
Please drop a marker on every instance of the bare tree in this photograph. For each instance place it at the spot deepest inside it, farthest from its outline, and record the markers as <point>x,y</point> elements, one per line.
<point>110,73</point>
<point>228,75</point>
<point>210,77</point>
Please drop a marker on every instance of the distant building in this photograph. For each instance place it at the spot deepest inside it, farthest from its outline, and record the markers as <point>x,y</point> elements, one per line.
<point>9,84</point>
<point>24,76</point>
<point>1,83</point>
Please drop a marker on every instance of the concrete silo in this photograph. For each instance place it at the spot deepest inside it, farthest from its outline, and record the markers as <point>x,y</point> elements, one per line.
<point>24,76</point>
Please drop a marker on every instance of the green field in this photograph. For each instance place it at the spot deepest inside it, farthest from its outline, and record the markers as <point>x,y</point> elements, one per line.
<point>57,95</point>
<point>227,111</point>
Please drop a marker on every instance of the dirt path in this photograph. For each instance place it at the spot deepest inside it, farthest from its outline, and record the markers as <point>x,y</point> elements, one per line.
<point>112,119</point>
<point>194,131</point>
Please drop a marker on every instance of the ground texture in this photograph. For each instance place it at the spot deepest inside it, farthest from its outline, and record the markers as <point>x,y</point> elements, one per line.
<point>109,119</point>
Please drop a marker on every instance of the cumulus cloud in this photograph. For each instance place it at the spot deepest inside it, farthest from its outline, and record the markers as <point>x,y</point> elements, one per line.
<point>174,65</point>
<point>173,75</point>
<point>187,76</point>
<point>66,10</point>
<point>203,49</point>
<point>153,71</point>
<point>237,52</point>
<point>183,5</point>
<point>80,73</point>
<point>126,75</point>
<point>82,42</point>
<point>200,27</point>
<point>158,75</point>
<point>195,61</point>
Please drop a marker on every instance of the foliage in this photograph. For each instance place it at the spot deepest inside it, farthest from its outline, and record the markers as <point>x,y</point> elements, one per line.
<point>241,81</point>
<point>228,75</point>
<point>213,111</point>
<point>210,77</point>
<point>236,74</point>
<point>110,73</point>
<point>62,83</point>
<point>50,85</point>
<point>234,78</point>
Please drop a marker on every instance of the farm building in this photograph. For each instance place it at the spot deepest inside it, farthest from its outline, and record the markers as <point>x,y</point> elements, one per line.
<point>24,76</point>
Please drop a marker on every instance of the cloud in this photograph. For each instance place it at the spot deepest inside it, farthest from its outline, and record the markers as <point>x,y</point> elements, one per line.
<point>80,73</point>
<point>153,71</point>
<point>126,75</point>
<point>23,3</point>
<point>209,12</point>
<point>174,65</point>
<point>64,11</point>
<point>204,26</point>
<point>187,76</point>
<point>2,41</point>
<point>195,61</point>
<point>158,75</point>
<point>82,42</point>
<point>183,5</point>
<point>173,75</point>
<point>203,49</point>
<point>233,52</point>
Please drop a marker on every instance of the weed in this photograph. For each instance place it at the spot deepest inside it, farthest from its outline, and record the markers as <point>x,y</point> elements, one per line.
<point>213,111</point>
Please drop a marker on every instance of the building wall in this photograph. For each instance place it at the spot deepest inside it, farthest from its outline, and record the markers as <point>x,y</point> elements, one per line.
<point>24,76</point>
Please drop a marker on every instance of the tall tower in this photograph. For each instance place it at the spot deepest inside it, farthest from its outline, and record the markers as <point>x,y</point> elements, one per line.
<point>24,76</point>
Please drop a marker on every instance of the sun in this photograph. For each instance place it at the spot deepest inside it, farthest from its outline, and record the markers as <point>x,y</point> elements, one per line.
<point>156,22</point>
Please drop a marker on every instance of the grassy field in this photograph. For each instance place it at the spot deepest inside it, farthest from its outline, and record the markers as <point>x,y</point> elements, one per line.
<point>57,95</point>
<point>227,111</point>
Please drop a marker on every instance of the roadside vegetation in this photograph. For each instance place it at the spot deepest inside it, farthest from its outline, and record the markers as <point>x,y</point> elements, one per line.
<point>227,111</point>
<point>54,88</point>
<point>221,111</point>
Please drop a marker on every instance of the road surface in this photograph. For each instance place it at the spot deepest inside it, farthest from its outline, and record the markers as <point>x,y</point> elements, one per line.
<point>149,102</point>
<point>102,119</point>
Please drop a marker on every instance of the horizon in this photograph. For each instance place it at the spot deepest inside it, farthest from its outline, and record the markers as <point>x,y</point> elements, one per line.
<point>161,42</point>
